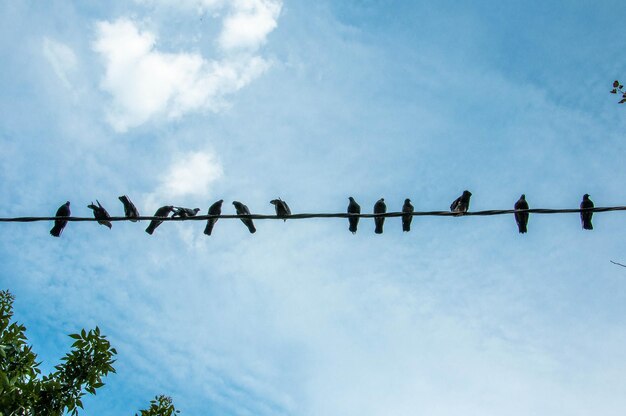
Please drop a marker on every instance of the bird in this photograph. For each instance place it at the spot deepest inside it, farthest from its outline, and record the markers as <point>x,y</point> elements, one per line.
<point>184,212</point>
<point>282,209</point>
<point>461,204</point>
<point>521,217</point>
<point>243,210</point>
<point>59,225</point>
<point>164,211</point>
<point>353,208</point>
<point>215,209</point>
<point>130,210</point>
<point>406,219</point>
<point>585,216</point>
<point>379,208</point>
<point>101,214</point>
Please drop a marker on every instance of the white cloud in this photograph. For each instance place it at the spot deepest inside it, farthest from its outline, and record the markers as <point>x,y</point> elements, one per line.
<point>249,23</point>
<point>190,174</point>
<point>61,57</point>
<point>145,83</point>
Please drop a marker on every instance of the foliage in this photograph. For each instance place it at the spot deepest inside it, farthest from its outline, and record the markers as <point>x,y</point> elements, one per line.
<point>24,391</point>
<point>618,88</point>
<point>160,406</point>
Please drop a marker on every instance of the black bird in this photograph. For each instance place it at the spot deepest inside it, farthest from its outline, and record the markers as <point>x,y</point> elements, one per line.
<point>461,204</point>
<point>585,216</point>
<point>406,219</point>
<point>379,208</point>
<point>353,208</point>
<point>282,209</point>
<point>215,209</point>
<point>164,211</point>
<point>184,212</point>
<point>63,211</point>
<point>243,210</point>
<point>101,214</point>
<point>521,217</point>
<point>130,210</point>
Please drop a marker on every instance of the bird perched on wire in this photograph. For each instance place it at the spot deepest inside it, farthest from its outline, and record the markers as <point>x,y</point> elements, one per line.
<point>59,225</point>
<point>521,217</point>
<point>282,209</point>
<point>461,204</point>
<point>130,210</point>
<point>164,211</point>
<point>379,208</point>
<point>100,214</point>
<point>353,208</point>
<point>585,216</point>
<point>406,219</point>
<point>184,212</point>
<point>243,210</point>
<point>215,209</point>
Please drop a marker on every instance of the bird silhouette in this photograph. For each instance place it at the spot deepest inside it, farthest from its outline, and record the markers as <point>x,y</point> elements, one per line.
<point>101,214</point>
<point>379,208</point>
<point>243,210</point>
<point>59,225</point>
<point>585,216</point>
<point>282,209</point>
<point>461,204</point>
<point>184,212</point>
<point>406,219</point>
<point>215,209</point>
<point>521,217</point>
<point>353,208</point>
<point>164,211</point>
<point>130,210</point>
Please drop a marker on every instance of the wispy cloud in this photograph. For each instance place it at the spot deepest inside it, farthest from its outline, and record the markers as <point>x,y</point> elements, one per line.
<point>61,57</point>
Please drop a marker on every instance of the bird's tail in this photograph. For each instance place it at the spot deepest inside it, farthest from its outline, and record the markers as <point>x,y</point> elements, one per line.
<point>379,227</point>
<point>587,225</point>
<point>56,231</point>
<point>406,226</point>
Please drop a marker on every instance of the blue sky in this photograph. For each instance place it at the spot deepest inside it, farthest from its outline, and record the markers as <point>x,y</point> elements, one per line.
<point>192,101</point>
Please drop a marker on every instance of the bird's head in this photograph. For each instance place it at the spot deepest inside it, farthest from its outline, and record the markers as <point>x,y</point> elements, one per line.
<point>467,193</point>
<point>586,196</point>
<point>407,201</point>
<point>523,196</point>
<point>275,201</point>
<point>351,199</point>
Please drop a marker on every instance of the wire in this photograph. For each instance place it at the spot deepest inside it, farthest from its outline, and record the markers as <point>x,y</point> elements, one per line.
<point>329,215</point>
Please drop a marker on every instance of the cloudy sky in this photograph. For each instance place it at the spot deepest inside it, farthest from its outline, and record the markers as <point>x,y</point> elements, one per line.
<point>190,101</point>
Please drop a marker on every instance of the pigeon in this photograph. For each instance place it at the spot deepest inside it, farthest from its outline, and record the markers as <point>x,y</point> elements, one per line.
<point>353,208</point>
<point>184,212</point>
<point>164,211</point>
<point>406,219</point>
<point>585,216</point>
<point>215,209</point>
<point>282,209</point>
<point>461,204</point>
<point>130,211</point>
<point>59,225</point>
<point>521,217</point>
<point>243,210</point>
<point>379,208</point>
<point>101,214</point>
